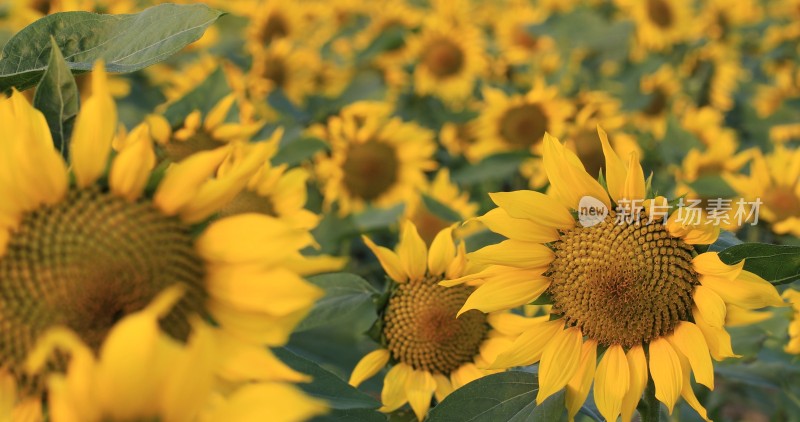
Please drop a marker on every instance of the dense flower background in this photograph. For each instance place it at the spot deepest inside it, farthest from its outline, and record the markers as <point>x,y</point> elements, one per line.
<point>326,182</point>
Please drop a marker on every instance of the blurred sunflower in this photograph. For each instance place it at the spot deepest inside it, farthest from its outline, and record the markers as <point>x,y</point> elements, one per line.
<point>177,82</point>
<point>663,88</point>
<point>517,45</point>
<point>448,59</point>
<point>633,289</point>
<point>518,122</point>
<point>276,191</point>
<point>774,181</point>
<point>719,70</point>
<point>375,158</point>
<point>434,348</point>
<point>141,373</point>
<point>270,21</point>
<point>200,133</point>
<point>110,234</point>
<point>284,65</point>
<point>444,191</point>
<point>458,138</point>
<point>719,21</point>
<point>660,24</point>
<point>793,296</point>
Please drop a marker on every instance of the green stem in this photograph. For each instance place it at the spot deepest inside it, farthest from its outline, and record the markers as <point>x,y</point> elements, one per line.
<point>652,408</point>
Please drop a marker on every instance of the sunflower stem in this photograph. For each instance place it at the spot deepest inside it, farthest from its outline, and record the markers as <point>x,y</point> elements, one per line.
<point>652,408</point>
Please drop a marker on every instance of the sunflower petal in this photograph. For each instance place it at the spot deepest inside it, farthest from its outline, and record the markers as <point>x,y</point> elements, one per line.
<point>393,394</point>
<point>413,252</point>
<point>748,290</point>
<point>184,180</point>
<point>442,252</point>
<point>443,386</point>
<point>569,182</point>
<point>528,347</point>
<point>688,340</point>
<point>515,289</point>
<point>710,305</point>
<point>498,221</point>
<point>420,387</point>
<point>581,382</point>
<point>514,253</point>
<point>637,366</point>
<point>612,382</point>
<point>389,261</point>
<point>708,263</point>
<point>665,368</point>
<point>534,206</point>
<point>94,130</point>
<point>616,174</point>
<point>718,340</point>
<point>686,389</point>
<point>368,366</point>
<point>559,362</point>
<point>634,188</point>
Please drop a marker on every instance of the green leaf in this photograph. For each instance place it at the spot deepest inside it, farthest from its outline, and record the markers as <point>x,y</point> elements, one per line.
<point>126,42</point>
<point>712,187</point>
<point>377,218</point>
<point>203,98</point>
<point>507,396</point>
<point>496,167</point>
<point>778,264</point>
<point>57,98</point>
<point>325,385</point>
<point>677,142</point>
<point>725,240</point>
<point>299,150</point>
<point>351,415</point>
<point>439,209</point>
<point>346,295</point>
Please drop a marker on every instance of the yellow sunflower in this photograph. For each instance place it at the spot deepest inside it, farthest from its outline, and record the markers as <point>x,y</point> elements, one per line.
<point>285,65</point>
<point>664,89</point>
<point>200,133</point>
<point>724,73</point>
<point>518,122</point>
<point>447,193</point>
<point>273,190</point>
<point>434,349</point>
<point>793,296</point>
<point>448,59</point>
<point>375,158</point>
<point>517,45</point>
<point>270,21</point>
<point>774,181</point>
<point>110,233</point>
<point>660,24</point>
<point>633,289</point>
<point>140,373</point>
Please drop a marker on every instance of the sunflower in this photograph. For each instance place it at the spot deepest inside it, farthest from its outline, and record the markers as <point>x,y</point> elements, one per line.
<point>444,191</point>
<point>633,289</point>
<point>517,45</point>
<point>519,122</point>
<point>723,72</point>
<point>270,21</point>
<point>434,349</point>
<point>140,373</point>
<point>177,82</point>
<point>660,24</point>
<point>285,65</point>
<point>718,20</point>
<point>375,158</point>
<point>774,181</point>
<point>664,90</point>
<point>273,190</point>
<point>109,234</point>
<point>793,296</point>
<point>200,133</point>
<point>448,59</point>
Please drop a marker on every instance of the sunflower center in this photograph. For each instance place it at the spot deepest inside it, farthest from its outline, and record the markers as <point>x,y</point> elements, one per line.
<point>422,330</point>
<point>782,201</point>
<point>248,201</point>
<point>524,125</point>
<point>657,104</point>
<point>176,149</point>
<point>590,151</point>
<point>659,13</point>
<point>87,262</point>
<point>622,283</point>
<point>523,38</point>
<point>274,28</point>
<point>370,169</point>
<point>275,71</point>
<point>444,58</point>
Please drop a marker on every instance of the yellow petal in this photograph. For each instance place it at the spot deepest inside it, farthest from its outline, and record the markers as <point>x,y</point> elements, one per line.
<point>560,359</point>
<point>160,129</point>
<point>637,366</point>
<point>243,361</point>
<point>506,291</point>
<point>184,180</point>
<point>514,253</point>
<point>688,340</point>
<point>710,306</point>
<point>443,386</point>
<point>393,394</point>
<point>246,238</point>
<point>217,114</point>
<point>512,324</point>
<point>94,130</point>
<point>413,252</point>
<point>686,389</point>
<point>528,347</point>
<point>748,290</point>
<point>569,182</point>
<point>181,400</point>
<point>267,401</point>
<point>498,221</point>
<point>634,184</point>
<point>442,252</point>
<point>276,291</point>
<point>368,366</point>
<point>389,261</point>
<point>536,207</point>
<point>616,174</point>
<point>131,169</point>
<point>737,316</point>
<point>665,368</point>
<point>465,374</point>
<point>581,382</point>
<point>612,382</point>
<point>718,340</point>
<point>420,386</point>
<point>708,263</point>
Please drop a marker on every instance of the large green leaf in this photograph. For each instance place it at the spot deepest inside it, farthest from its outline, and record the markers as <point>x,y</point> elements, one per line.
<point>126,42</point>
<point>507,396</point>
<point>57,98</point>
<point>203,97</point>
<point>299,150</point>
<point>325,385</point>
<point>346,296</point>
<point>778,264</point>
<point>377,218</point>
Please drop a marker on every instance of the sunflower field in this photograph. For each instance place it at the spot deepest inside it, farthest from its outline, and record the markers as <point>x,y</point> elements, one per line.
<point>399,210</point>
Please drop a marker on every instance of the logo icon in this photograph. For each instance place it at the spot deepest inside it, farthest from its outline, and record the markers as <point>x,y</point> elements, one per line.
<point>591,211</point>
